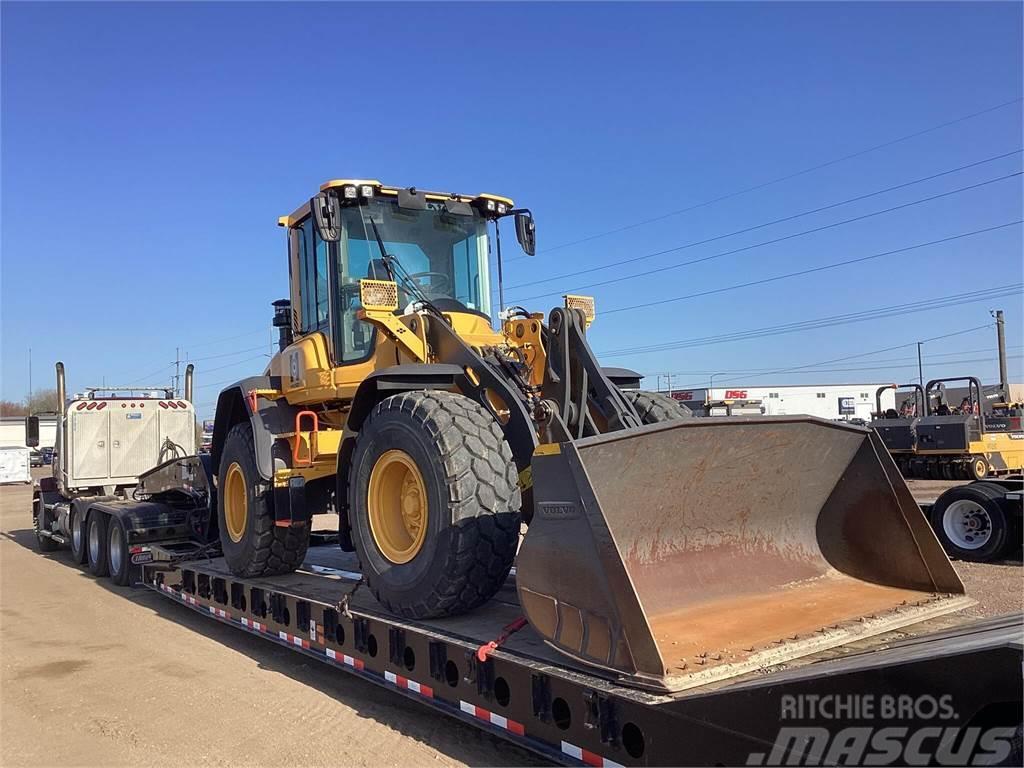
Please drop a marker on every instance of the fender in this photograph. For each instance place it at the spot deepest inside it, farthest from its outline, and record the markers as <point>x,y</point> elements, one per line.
<point>400,378</point>
<point>271,418</point>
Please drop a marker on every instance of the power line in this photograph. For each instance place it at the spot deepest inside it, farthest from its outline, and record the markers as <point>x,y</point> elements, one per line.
<point>150,376</point>
<point>767,223</point>
<point>810,270</point>
<point>894,310</point>
<point>227,354</point>
<point>780,179</point>
<point>231,365</point>
<point>225,338</point>
<point>859,355</point>
<point>679,265</point>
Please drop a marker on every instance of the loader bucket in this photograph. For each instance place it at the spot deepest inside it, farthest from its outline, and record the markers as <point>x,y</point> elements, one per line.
<point>679,554</point>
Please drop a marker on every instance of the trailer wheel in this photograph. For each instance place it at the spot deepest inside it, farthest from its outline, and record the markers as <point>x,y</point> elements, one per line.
<point>655,407</point>
<point>949,470</point>
<point>971,523</point>
<point>46,544</point>
<point>117,552</point>
<point>96,544</point>
<point>434,504</point>
<point>252,544</point>
<point>978,467</point>
<point>78,553</point>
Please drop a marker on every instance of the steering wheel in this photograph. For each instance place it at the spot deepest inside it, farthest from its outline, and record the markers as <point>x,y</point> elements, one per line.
<point>440,283</point>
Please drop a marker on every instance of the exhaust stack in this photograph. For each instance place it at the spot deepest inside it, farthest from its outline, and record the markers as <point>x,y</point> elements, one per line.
<point>61,391</point>
<point>283,323</point>
<point>189,369</point>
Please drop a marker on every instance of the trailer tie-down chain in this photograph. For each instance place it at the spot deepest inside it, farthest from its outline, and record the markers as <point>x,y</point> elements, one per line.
<point>507,631</point>
<point>345,603</point>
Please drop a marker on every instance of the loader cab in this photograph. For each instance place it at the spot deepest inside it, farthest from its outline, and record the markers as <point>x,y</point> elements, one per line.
<point>436,244</point>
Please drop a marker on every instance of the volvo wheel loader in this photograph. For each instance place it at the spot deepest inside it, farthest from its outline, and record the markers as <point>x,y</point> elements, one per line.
<point>667,551</point>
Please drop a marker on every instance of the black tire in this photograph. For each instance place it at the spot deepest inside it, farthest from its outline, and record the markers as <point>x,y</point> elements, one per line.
<point>934,470</point>
<point>989,498</point>
<point>949,470</point>
<point>78,553</point>
<point>472,498</point>
<point>118,561</point>
<point>977,467</point>
<point>264,548</point>
<point>45,543</point>
<point>96,548</point>
<point>654,407</point>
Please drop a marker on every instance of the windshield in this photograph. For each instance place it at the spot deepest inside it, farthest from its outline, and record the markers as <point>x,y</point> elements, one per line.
<point>443,253</point>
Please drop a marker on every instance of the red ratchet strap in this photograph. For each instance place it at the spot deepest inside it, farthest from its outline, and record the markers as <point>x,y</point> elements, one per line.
<point>487,649</point>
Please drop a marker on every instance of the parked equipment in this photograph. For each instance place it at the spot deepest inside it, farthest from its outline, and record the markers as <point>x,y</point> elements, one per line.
<point>393,401</point>
<point>973,440</point>
<point>106,438</point>
<point>898,428</point>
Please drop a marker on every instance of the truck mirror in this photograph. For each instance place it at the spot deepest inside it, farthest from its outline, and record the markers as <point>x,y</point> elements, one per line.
<point>526,232</point>
<point>326,216</point>
<point>32,431</point>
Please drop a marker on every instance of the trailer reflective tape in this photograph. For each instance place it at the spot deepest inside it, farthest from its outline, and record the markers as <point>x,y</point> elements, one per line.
<point>219,612</point>
<point>293,640</point>
<point>409,685</point>
<point>588,757</point>
<point>253,625</point>
<point>354,575</point>
<point>493,718</point>
<point>345,659</point>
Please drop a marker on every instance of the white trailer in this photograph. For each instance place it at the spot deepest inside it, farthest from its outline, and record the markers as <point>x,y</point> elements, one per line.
<point>14,465</point>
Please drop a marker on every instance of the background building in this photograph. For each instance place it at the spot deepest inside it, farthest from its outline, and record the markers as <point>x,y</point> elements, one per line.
<point>12,431</point>
<point>828,401</point>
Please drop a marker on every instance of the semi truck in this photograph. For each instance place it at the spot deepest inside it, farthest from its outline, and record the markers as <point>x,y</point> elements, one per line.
<point>106,438</point>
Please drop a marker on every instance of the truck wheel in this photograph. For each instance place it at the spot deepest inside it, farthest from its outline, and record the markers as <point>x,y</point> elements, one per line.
<point>655,407</point>
<point>252,544</point>
<point>117,552</point>
<point>96,544</point>
<point>978,467</point>
<point>434,502</point>
<point>78,553</point>
<point>949,471</point>
<point>46,544</point>
<point>971,523</point>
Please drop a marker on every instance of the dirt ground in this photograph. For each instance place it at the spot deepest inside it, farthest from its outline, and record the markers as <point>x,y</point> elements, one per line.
<point>92,674</point>
<point>76,687</point>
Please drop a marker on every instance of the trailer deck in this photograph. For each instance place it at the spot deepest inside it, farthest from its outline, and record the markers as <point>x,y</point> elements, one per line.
<point>535,696</point>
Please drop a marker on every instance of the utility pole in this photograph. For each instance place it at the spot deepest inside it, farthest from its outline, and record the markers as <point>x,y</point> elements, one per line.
<point>30,376</point>
<point>920,366</point>
<point>668,377</point>
<point>1001,341</point>
<point>177,369</point>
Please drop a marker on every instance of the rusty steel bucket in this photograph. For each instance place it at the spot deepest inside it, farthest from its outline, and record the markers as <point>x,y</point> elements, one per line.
<point>679,554</point>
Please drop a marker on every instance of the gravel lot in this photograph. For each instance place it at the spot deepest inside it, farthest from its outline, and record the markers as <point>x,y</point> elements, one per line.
<point>205,693</point>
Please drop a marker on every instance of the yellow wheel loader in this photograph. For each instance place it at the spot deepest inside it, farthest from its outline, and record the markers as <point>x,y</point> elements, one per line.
<point>668,551</point>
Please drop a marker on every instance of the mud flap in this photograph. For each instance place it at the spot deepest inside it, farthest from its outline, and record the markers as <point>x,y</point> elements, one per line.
<point>678,554</point>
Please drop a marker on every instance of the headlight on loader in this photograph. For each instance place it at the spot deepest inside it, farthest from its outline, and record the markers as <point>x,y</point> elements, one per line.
<point>584,303</point>
<point>378,295</point>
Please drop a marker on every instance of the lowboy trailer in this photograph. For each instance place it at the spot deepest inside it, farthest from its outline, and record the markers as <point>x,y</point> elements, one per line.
<point>942,688</point>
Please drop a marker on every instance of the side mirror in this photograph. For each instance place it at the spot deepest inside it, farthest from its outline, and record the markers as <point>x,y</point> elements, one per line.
<point>32,431</point>
<point>526,232</point>
<point>326,216</point>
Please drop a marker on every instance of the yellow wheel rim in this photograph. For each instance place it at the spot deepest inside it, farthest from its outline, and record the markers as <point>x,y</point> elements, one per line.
<point>236,503</point>
<point>397,506</point>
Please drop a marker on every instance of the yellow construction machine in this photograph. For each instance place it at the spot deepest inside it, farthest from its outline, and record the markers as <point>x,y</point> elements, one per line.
<point>665,550</point>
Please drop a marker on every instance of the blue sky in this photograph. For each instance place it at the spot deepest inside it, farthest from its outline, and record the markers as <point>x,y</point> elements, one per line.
<point>149,148</point>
